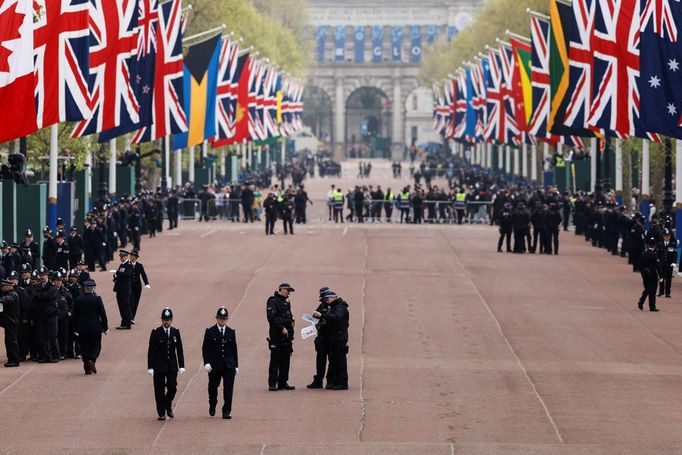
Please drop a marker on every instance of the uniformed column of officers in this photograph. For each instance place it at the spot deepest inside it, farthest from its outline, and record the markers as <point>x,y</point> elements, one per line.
<point>165,355</point>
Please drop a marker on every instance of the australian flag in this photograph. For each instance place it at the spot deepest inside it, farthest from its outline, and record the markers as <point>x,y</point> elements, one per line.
<point>660,81</point>
<point>141,67</point>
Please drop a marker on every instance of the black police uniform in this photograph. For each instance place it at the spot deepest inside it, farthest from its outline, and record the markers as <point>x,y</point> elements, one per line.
<point>45,302</point>
<point>336,342</point>
<point>64,312</point>
<point>61,256</point>
<point>90,320</point>
<point>9,320</point>
<point>219,350</point>
<point>667,257</point>
<point>321,354</point>
<point>649,270</point>
<point>76,246</point>
<point>165,356</point>
<point>138,277</point>
<point>281,346</point>
<point>123,290</point>
<point>505,222</point>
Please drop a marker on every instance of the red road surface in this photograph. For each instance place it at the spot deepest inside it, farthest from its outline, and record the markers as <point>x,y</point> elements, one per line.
<point>454,349</point>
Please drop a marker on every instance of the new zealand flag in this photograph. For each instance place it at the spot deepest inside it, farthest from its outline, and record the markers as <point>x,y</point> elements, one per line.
<point>660,81</point>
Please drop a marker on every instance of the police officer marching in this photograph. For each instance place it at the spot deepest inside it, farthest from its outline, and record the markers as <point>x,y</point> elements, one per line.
<point>281,337</point>
<point>139,276</point>
<point>221,362</point>
<point>667,255</point>
<point>123,289</point>
<point>336,339</point>
<point>165,359</point>
<point>649,271</point>
<point>9,320</point>
<point>90,321</point>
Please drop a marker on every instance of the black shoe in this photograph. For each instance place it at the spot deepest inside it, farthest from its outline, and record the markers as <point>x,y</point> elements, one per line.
<point>123,327</point>
<point>667,296</point>
<point>169,413</point>
<point>640,305</point>
<point>61,357</point>
<point>659,295</point>
<point>330,386</point>
<point>340,387</point>
<point>314,385</point>
<point>43,360</point>
<point>53,361</point>
<point>654,309</point>
<point>91,366</point>
<point>286,387</point>
<point>161,418</point>
<point>11,364</point>
<point>211,410</point>
<point>272,388</point>
<point>227,416</point>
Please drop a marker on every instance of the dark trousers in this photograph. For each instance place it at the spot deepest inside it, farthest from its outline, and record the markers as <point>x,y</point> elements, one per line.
<point>650,285</point>
<point>338,366</point>
<point>165,387</point>
<point>91,346</point>
<point>405,215</point>
<point>389,213</point>
<point>135,301</point>
<point>123,300</point>
<point>538,233</point>
<point>63,335</point>
<point>214,378</point>
<point>27,342</point>
<point>248,213</point>
<point>288,224</point>
<point>270,225</point>
<point>320,361</point>
<point>11,341</point>
<point>47,335</point>
<point>552,241</point>
<point>278,371</point>
<point>172,220</point>
<point>135,238</point>
<point>338,214</point>
<point>73,348</point>
<point>504,235</point>
<point>667,276</point>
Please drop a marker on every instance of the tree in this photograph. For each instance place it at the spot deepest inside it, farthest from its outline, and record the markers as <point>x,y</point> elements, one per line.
<point>492,20</point>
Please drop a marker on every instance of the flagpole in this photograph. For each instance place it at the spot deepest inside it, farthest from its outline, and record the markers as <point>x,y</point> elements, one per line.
<point>534,163</point>
<point>518,37</point>
<point>645,175</point>
<point>517,164</point>
<point>223,169</point>
<point>204,33</point>
<point>177,181</point>
<point>619,169</point>
<point>112,169</point>
<point>507,159</point>
<point>52,185</point>
<point>87,206</point>
<point>536,14</point>
<point>190,165</point>
<point>166,163</point>
<point>593,165</point>
<point>524,160</point>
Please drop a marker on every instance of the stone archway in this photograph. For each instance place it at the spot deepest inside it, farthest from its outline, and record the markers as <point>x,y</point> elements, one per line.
<point>368,123</point>
<point>318,113</point>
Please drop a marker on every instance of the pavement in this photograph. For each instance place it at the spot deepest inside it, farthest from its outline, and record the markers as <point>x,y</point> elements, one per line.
<point>454,349</point>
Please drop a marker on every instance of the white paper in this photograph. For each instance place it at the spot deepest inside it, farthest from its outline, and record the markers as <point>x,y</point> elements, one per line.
<point>307,332</point>
<point>308,318</point>
<point>1,308</point>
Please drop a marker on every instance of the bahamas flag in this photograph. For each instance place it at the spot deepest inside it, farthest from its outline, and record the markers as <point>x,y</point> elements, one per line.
<point>200,85</point>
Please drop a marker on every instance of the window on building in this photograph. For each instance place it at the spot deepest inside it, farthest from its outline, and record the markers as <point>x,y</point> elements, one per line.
<point>414,134</point>
<point>415,102</point>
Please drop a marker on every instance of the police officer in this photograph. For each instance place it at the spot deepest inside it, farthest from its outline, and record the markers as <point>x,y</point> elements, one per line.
<point>64,312</point>
<point>221,361</point>
<point>336,339</point>
<point>123,289</point>
<point>320,348</point>
<point>270,206</point>
<point>45,303</point>
<point>9,320</point>
<point>165,359</point>
<point>90,320</point>
<point>76,246</point>
<point>62,253</point>
<point>23,335</point>
<point>281,337</point>
<point>139,276</point>
<point>667,255</point>
<point>649,270</point>
<point>49,248</point>
<point>505,221</point>
<point>338,205</point>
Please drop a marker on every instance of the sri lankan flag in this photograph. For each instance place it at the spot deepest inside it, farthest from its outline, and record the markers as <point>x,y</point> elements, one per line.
<point>200,83</point>
<point>561,17</point>
<point>522,88</point>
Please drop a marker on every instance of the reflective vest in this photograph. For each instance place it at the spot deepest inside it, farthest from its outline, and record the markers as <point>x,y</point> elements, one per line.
<point>460,197</point>
<point>338,198</point>
<point>404,199</point>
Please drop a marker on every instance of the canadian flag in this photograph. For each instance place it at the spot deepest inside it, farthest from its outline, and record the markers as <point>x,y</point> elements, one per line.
<point>17,81</point>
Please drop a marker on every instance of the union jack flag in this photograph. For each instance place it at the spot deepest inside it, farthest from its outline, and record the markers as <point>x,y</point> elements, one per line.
<point>495,107</point>
<point>297,106</point>
<point>292,107</point>
<point>540,81</point>
<point>450,94</point>
<point>511,133</point>
<point>256,128</point>
<point>615,42</point>
<point>228,78</point>
<point>62,59</point>
<point>479,74</point>
<point>271,83</point>
<point>459,107</point>
<point>113,41</point>
<point>168,114</point>
<point>440,111</point>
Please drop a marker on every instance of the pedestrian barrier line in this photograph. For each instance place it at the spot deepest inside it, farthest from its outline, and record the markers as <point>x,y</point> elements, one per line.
<point>508,343</point>
<point>209,233</point>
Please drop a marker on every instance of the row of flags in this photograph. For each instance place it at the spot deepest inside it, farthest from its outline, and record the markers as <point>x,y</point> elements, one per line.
<point>604,68</point>
<point>117,67</point>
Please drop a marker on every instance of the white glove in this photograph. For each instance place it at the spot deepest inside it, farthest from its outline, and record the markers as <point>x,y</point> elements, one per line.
<point>106,333</point>
<point>137,228</point>
<point>673,265</point>
<point>236,370</point>
<point>76,333</point>
<point>150,372</point>
<point>208,368</point>
<point>146,286</point>
<point>181,370</point>
<point>115,234</point>
<point>1,308</point>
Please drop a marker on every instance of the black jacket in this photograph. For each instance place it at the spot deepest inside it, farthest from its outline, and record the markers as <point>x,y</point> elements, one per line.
<point>278,310</point>
<point>76,245</point>
<point>45,300</point>
<point>165,354</point>
<point>89,315</point>
<point>648,264</point>
<point>64,303</point>
<point>49,252</point>
<point>9,316</point>
<point>123,278</point>
<point>139,275</point>
<point>220,351</point>
<point>336,320</point>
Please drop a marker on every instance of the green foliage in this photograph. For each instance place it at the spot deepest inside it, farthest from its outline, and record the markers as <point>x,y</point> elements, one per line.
<point>276,29</point>
<point>39,146</point>
<point>492,20</point>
